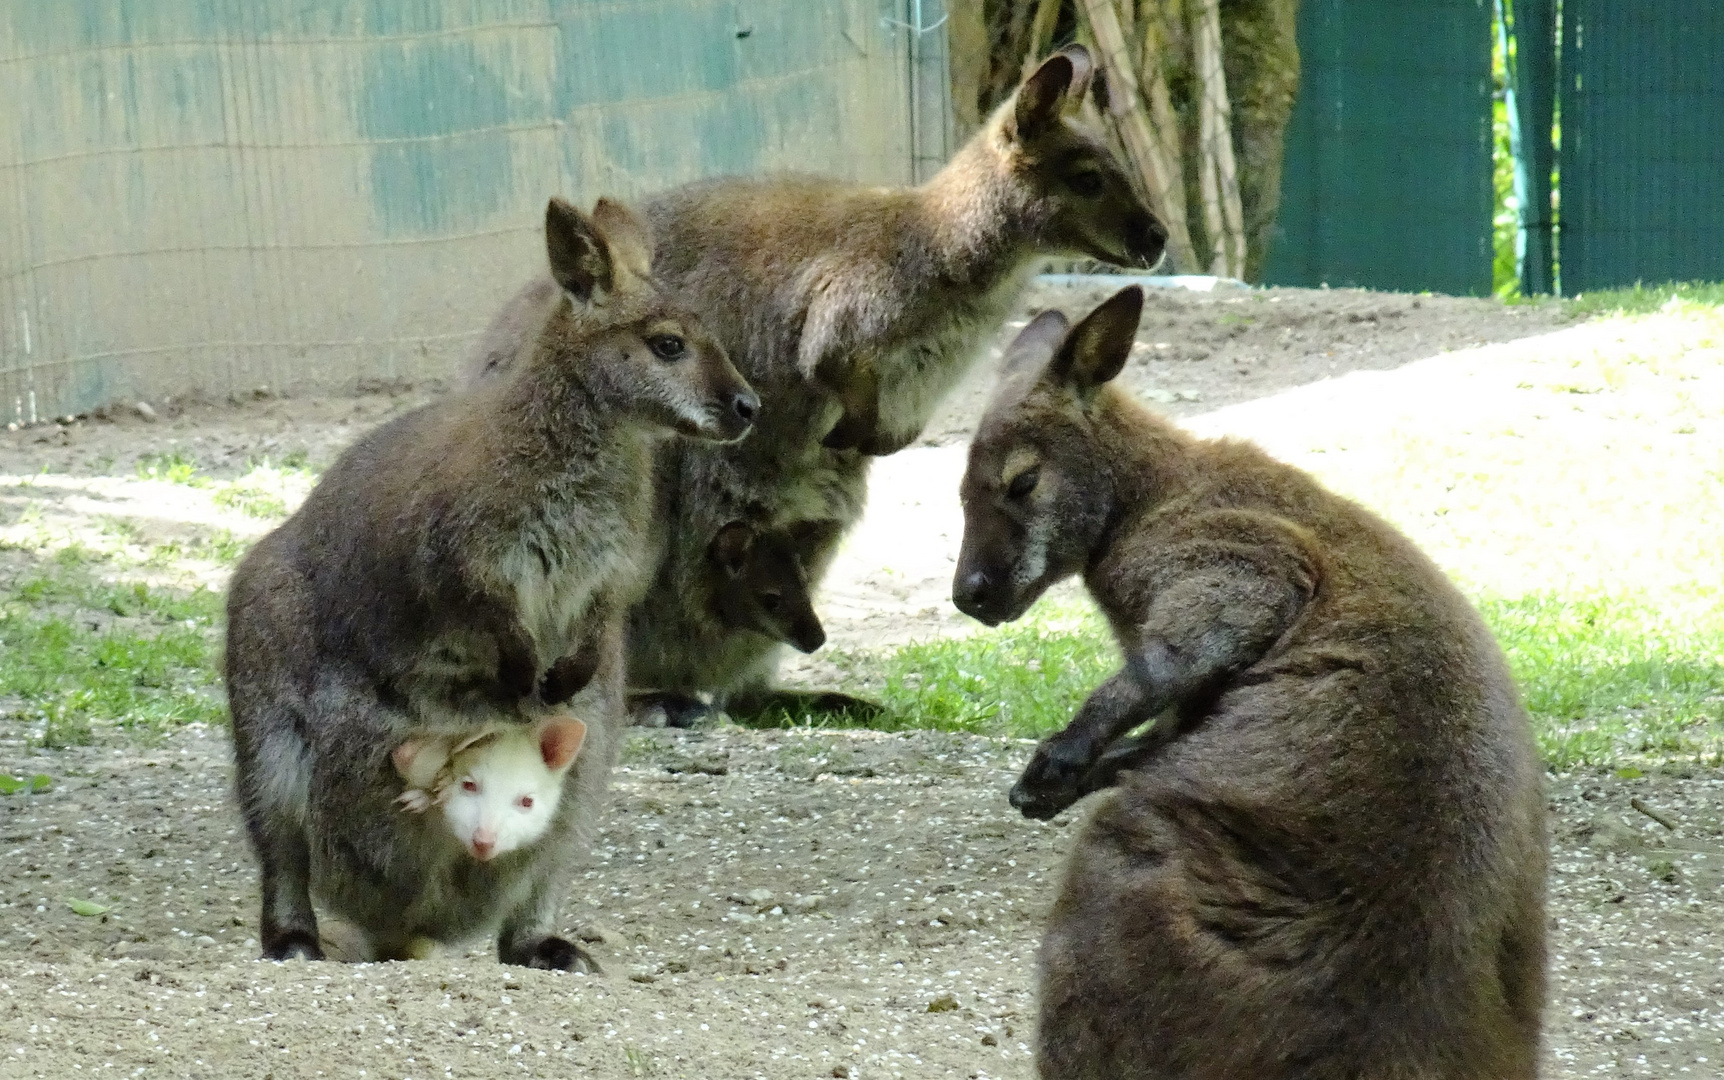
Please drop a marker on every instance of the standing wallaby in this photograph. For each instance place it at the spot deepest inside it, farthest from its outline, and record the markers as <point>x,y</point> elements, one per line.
<point>759,589</point>
<point>853,310</point>
<point>465,564</point>
<point>1326,858</point>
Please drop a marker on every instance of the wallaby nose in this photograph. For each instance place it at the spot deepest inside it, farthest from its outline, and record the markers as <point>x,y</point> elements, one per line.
<point>809,637</point>
<point>484,846</point>
<point>746,405</point>
<point>971,593</point>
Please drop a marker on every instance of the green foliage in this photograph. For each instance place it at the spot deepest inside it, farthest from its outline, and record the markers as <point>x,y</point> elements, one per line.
<point>1611,678</point>
<point>68,671</point>
<point>172,467</point>
<point>1641,299</point>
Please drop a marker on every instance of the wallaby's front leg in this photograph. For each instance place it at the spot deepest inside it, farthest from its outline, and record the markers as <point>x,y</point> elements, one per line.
<point>1054,778</point>
<point>1222,594</point>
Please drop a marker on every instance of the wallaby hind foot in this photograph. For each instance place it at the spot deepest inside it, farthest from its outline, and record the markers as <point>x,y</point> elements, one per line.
<point>668,709</point>
<point>549,953</point>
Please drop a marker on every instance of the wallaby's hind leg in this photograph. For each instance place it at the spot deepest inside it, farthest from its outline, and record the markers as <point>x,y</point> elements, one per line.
<point>526,940</point>
<point>288,926</point>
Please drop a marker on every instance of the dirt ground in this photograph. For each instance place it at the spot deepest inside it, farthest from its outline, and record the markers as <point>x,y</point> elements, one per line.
<point>766,904</point>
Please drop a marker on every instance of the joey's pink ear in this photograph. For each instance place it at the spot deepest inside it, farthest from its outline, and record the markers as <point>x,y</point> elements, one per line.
<point>560,741</point>
<point>419,759</point>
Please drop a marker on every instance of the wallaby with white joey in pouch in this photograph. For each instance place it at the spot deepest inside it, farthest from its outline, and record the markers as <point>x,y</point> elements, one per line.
<point>466,564</point>
<point>759,582</point>
<point>1325,859</point>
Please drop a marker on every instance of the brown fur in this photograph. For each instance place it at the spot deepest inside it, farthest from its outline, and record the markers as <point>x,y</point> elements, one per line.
<point>466,563</point>
<point>1326,859</point>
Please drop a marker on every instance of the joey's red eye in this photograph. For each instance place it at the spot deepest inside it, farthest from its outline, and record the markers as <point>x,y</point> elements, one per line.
<point>469,785</point>
<point>525,802</point>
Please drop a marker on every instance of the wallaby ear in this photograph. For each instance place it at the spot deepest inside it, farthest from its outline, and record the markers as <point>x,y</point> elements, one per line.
<point>1083,70</point>
<point>1035,344</point>
<point>1042,97</point>
<point>580,261</point>
<point>730,548</point>
<point>1097,348</point>
<point>420,759</point>
<point>560,741</point>
<point>627,235</point>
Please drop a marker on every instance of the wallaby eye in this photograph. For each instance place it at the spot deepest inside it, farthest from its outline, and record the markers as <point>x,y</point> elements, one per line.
<point>667,346</point>
<point>470,785</point>
<point>1086,184</point>
<point>771,601</point>
<point>1023,483</point>
<point>525,802</point>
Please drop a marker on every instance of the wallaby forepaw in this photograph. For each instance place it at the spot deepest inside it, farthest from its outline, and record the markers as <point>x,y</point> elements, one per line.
<point>291,944</point>
<point>569,676</point>
<point>415,801</point>
<point>551,953</point>
<point>1052,781</point>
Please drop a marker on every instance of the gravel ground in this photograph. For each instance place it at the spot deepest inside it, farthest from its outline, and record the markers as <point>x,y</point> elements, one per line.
<point>765,904</point>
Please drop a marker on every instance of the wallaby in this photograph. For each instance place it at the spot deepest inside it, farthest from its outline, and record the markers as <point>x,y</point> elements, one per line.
<point>760,589</point>
<point>466,564</point>
<point>1326,858</point>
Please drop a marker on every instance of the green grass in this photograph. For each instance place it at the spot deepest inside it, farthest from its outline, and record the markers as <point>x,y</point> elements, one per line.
<point>262,491</point>
<point>1642,299</point>
<point>155,670</point>
<point>1608,680</point>
<point>172,467</point>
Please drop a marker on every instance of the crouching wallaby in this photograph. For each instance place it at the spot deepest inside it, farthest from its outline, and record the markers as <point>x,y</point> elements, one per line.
<point>1326,858</point>
<point>465,565</point>
<point>760,589</point>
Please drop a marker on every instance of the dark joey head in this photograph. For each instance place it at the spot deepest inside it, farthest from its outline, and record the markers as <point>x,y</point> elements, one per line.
<point>763,582</point>
<point>1037,490</point>
<point>619,336</point>
<point>1078,186</point>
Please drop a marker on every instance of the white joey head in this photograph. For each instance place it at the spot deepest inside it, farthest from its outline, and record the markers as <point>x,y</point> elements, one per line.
<point>498,787</point>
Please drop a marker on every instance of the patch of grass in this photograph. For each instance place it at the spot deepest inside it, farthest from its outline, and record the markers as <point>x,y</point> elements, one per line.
<point>264,489</point>
<point>1611,679</point>
<point>173,467</point>
<point>1642,299</point>
<point>1023,680</point>
<point>1608,679</point>
<point>70,678</point>
<point>69,672</point>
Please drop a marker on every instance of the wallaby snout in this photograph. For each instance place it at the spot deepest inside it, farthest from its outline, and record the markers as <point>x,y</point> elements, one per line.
<point>734,404</point>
